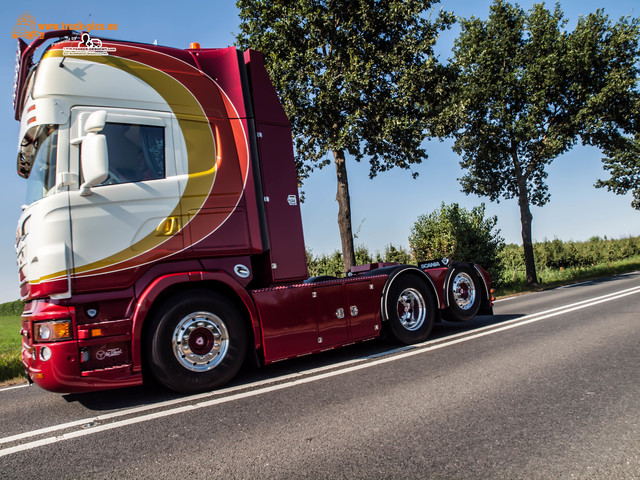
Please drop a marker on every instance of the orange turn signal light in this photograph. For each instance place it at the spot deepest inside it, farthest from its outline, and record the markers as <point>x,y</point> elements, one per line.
<point>52,331</point>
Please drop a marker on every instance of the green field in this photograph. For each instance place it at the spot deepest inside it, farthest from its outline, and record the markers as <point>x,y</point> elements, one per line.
<point>10,345</point>
<point>553,277</point>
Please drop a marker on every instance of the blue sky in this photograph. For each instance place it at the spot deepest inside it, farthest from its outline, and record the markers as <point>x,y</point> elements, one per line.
<point>383,209</point>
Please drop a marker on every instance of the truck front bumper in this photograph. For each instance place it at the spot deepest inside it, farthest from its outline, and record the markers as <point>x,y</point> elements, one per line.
<point>56,367</point>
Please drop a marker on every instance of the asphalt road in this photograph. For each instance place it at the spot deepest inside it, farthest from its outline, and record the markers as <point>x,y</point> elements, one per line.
<point>548,387</point>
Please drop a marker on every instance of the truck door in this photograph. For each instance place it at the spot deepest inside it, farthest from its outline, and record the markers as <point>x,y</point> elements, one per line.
<point>133,218</point>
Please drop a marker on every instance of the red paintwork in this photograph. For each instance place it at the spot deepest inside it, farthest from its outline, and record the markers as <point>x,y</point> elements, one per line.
<point>43,290</point>
<point>278,179</point>
<point>266,104</point>
<point>439,275</point>
<point>107,329</point>
<point>301,319</point>
<point>162,283</point>
<point>221,64</point>
<point>62,373</point>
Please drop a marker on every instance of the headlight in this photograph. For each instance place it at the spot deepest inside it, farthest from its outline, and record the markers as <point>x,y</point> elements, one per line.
<point>52,331</point>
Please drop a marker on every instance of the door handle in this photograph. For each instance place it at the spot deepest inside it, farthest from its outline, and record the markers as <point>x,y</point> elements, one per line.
<point>169,226</point>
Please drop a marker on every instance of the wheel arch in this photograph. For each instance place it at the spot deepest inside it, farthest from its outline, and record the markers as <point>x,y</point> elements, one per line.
<point>486,307</point>
<point>162,288</point>
<point>401,271</point>
<point>476,269</point>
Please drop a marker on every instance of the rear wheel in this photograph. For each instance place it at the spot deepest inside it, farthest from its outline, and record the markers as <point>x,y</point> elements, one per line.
<point>464,295</point>
<point>196,342</point>
<point>410,309</point>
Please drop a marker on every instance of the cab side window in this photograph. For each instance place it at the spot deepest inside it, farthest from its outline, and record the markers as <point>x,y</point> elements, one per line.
<point>136,152</point>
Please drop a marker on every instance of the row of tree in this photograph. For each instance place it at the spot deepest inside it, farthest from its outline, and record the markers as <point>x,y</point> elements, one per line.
<point>359,79</point>
<point>455,232</point>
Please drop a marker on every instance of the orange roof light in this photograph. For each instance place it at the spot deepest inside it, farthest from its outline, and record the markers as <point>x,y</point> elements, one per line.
<point>194,46</point>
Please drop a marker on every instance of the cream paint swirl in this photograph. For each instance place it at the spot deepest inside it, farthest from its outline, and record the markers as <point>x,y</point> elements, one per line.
<point>176,81</point>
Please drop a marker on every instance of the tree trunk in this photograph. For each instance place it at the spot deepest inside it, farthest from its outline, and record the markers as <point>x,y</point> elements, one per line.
<point>344,211</point>
<point>527,243</point>
<point>525,220</point>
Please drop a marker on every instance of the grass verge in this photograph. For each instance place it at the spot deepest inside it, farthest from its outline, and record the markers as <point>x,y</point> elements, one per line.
<point>10,345</point>
<point>550,278</point>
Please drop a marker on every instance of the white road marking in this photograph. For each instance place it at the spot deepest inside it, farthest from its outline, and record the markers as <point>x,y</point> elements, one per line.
<point>506,299</point>
<point>13,387</point>
<point>288,381</point>
<point>587,282</point>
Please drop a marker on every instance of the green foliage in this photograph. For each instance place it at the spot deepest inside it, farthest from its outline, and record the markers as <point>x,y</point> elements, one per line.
<point>331,264</point>
<point>549,277</point>
<point>457,233</point>
<point>623,163</point>
<point>354,76</point>
<point>11,308</point>
<point>10,344</point>
<point>10,366</point>
<point>357,78</point>
<point>362,255</point>
<point>558,256</point>
<point>395,254</point>
<point>615,105</point>
<point>326,264</point>
<point>528,90</point>
<point>10,332</point>
<point>559,261</point>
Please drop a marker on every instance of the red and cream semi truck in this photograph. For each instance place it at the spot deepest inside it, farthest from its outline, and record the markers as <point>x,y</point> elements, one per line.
<point>162,233</point>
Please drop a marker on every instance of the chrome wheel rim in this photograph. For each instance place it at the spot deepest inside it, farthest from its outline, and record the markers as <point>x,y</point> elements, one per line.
<point>412,309</point>
<point>200,341</point>
<point>464,291</point>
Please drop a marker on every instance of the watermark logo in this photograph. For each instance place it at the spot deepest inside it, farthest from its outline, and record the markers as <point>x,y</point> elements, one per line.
<point>26,27</point>
<point>88,46</point>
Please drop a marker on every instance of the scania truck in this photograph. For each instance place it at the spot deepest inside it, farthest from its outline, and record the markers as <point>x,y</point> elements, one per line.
<point>162,235</point>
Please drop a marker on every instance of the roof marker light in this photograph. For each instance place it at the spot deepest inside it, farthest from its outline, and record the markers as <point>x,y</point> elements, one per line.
<point>194,46</point>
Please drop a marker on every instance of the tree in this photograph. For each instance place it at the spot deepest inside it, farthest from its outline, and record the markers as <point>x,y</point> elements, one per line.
<point>395,254</point>
<point>356,77</point>
<point>528,91</point>
<point>621,143</point>
<point>623,162</point>
<point>457,233</point>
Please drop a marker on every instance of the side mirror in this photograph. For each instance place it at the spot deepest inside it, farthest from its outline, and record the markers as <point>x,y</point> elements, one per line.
<point>95,122</point>
<point>94,157</point>
<point>95,162</point>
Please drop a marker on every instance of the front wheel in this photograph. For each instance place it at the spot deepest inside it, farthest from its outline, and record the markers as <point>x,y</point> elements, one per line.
<point>410,309</point>
<point>196,342</point>
<point>464,295</point>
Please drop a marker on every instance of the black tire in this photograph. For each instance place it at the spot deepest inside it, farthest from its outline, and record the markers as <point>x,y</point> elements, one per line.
<point>410,309</point>
<point>196,342</point>
<point>464,295</point>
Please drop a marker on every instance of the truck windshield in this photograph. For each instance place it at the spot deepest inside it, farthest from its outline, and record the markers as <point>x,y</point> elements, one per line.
<point>41,154</point>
